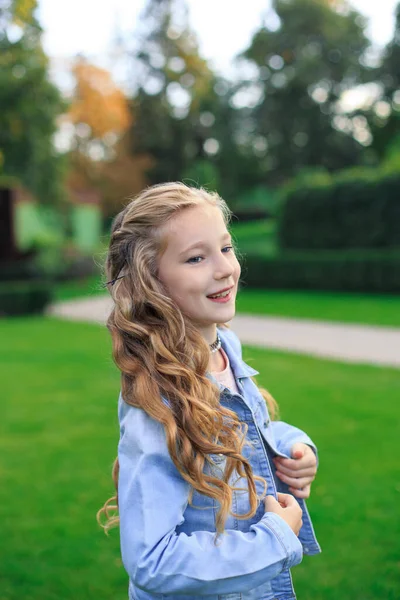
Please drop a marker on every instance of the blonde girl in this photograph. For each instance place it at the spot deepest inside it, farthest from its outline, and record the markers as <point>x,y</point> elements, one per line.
<point>211,487</point>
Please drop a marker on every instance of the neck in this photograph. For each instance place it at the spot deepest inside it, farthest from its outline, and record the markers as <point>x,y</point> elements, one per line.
<point>216,362</point>
<point>209,334</point>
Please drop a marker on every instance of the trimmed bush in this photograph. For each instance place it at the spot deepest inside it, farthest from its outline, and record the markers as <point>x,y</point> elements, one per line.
<point>373,271</point>
<point>252,214</point>
<point>24,297</point>
<point>22,269</point>
<point>352,211</point>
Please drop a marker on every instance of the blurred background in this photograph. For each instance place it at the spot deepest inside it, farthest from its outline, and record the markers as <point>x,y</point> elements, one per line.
<point>290,109</point>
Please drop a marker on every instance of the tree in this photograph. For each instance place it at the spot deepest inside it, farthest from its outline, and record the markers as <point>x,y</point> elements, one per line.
<point>303,67</point>
<point>384,116</point>
<point>30,104</point>
<point>99,109</point>
<point>183,116</point>
<point>174,89</point>
<point>390,69</point>
<point>100,159</point>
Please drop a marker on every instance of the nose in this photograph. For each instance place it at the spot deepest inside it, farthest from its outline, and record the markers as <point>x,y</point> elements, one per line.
<point>224,267</point>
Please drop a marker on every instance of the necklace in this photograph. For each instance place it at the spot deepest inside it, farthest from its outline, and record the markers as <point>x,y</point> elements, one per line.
<point>215,345</point>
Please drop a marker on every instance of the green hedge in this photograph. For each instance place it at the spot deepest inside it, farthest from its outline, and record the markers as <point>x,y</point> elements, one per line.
<point>22,269</point>
<point>24,297</point>
<point>347,212</point>
<point>340,271</point>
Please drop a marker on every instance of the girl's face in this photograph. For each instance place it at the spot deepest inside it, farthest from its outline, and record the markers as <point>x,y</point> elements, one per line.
<point>198,263</point>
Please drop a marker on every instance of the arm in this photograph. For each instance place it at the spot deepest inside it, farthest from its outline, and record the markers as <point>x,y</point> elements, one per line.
<point>152,500</point>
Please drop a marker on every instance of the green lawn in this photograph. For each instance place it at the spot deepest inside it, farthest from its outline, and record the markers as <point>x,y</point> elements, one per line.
<point>328,306</point>
<point>78,288</point>
<point>59,434</point>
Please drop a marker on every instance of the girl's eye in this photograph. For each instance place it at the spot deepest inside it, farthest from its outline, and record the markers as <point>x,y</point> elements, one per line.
<point>197,259</point>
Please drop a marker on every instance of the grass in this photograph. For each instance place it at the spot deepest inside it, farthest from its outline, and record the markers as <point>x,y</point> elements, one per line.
<point>59,434</point>
<point>343,307</point>
<point>78,288</point>
<point>349,411</point>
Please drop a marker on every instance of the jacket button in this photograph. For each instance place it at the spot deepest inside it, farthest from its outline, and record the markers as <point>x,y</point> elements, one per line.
<point>266,423</point>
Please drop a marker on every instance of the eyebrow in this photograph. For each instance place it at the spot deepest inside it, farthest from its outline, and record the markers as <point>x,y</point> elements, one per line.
<point>201,244</point>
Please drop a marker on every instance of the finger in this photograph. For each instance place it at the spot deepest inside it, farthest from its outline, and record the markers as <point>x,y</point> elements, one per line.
<point>296,465</point>
<point>309,472</point>
<point>304,493</point>
<point>285,500</point>
<point>308,459</point>
<point>295,468</point>
<point>299,449</point>
<point>295,482</point>
<point>270,502</point>
<point>299,453</point>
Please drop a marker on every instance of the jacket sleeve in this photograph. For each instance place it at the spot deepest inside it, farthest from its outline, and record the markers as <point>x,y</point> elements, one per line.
<point>286,435</point>
<point>152,499</point>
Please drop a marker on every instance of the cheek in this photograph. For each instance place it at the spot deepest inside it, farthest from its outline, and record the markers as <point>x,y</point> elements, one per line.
<point>171,283</point>
<point>238,269</point>
<point>182,287</point>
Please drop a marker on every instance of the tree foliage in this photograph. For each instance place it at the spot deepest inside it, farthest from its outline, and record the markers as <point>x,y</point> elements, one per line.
<point>30,104</point>
<point>390,70</point>
<point>98,104</point>
<point>281,116</point>
<point>384,118</point>
<point>175,86</point>
<point>100,157</point>
<point>303,67</point>
<point>183,115</point>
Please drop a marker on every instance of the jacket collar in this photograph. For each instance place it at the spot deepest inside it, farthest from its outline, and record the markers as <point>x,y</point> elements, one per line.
<point>234,351</point>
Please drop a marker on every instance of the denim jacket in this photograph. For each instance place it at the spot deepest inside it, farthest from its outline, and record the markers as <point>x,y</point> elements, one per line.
<point>167,545</point>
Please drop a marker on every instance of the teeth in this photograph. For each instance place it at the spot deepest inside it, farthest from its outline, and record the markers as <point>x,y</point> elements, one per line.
<point>222,295</point>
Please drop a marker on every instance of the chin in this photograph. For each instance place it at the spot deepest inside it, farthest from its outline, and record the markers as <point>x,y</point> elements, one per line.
<point>230,316</point>
<point>226,315</point>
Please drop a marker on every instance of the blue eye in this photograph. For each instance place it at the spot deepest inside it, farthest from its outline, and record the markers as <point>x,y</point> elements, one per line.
<point>195,260</point>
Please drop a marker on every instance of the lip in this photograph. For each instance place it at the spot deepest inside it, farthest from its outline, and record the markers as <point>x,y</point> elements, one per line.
<point>220,291</point>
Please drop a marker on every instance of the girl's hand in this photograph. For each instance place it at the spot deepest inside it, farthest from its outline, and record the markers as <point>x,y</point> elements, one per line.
<point>297,472</point>
<point>287,508</point>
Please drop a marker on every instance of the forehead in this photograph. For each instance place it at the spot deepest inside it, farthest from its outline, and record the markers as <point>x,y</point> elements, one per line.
<point>198,223</point>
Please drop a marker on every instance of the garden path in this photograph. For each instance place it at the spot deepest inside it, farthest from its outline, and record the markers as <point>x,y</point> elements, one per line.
<point>353,343</point>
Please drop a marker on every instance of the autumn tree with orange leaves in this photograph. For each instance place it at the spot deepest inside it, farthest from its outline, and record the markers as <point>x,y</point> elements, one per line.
<point>99,110</point>
<point>100,159</point>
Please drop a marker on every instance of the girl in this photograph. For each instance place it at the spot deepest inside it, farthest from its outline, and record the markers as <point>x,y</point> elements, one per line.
<point>198,448</point>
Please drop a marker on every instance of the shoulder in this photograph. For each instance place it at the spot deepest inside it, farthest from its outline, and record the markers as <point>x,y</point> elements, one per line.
<point>138,429</point>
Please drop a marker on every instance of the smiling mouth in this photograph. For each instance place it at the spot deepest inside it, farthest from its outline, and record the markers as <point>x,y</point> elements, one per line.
<point>222,294</point>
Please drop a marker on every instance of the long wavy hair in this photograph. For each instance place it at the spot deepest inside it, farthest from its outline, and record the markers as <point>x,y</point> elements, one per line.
<point>160,353</point>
